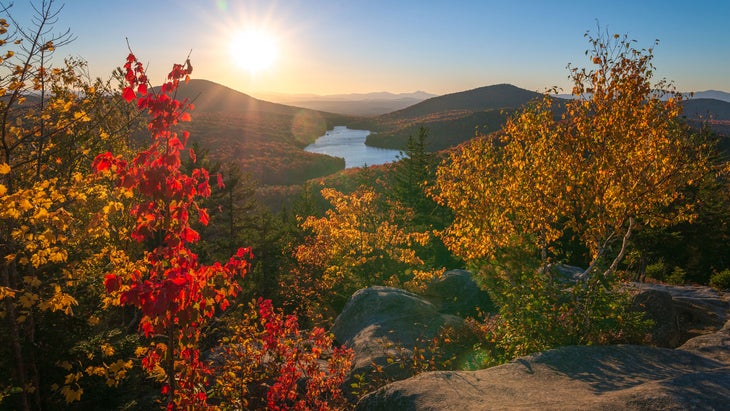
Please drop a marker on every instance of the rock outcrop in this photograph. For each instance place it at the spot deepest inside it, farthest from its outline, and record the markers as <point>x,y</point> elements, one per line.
<point>714,345</point>
<point>456,292</point>
<point>383,324</point>
<point>681,312</point>
<point>570,378</point>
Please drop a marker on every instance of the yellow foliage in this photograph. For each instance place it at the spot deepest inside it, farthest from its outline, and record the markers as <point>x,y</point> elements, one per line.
<point>71,393</point>
<point>361,241</point>
<point>6,292</point>
<point>618,155</point>
<point>107,350</point>
<point>60,301</point>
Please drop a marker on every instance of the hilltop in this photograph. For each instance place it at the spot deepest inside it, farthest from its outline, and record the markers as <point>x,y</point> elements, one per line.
<point>451,118</point>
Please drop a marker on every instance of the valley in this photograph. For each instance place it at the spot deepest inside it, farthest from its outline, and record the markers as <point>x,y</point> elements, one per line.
<point>267,140</point>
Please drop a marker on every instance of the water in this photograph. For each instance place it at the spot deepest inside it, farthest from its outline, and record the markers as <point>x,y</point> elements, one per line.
<point>350,144</point>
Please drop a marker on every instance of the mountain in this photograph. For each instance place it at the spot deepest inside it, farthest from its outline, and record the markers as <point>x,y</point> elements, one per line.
<point>209,96</point>
<point>500,96</point>
<point>713,113</point>
<point>378,95</point>
<point>707,108</point>
<point>265,139</point>
<point>362,108</point>
<point>713,94</point>
<point>354,104</point>
<point>451,118</point>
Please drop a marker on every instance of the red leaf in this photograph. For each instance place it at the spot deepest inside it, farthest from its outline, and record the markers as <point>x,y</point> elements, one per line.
<point>111,283</point>
<point>189,235</point>
<point>147,328</point>
<point>193,157</point>
<point>203,216</point>
<point>102,162</point>
<point>243,252</point>
<point>142,89</point>
<point>220,181</point>
<point>128,94</point>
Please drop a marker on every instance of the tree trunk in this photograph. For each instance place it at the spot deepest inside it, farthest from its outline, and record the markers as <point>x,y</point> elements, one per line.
<point>622,252</point>
<point>14,334</point>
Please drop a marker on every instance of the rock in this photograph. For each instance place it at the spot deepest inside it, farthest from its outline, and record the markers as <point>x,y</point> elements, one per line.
<point>567,273</point>
<point>456,292</point>
<point>569,378</point>
<point>659,307</point>
<point>715,345</point>
<point>382,323</point>
<point>696,310</point>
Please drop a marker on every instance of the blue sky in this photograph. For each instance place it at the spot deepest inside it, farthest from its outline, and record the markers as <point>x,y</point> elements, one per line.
<point>342,46</point>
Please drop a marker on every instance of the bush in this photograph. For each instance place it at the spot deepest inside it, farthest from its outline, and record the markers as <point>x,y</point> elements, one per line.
<point>656,271</point>
<point>720,280</point>
<point>677,277</point>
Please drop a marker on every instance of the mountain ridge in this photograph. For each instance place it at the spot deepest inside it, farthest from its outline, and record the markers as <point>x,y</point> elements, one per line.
<point>451,118</point>
<point>375,95</point>
<point>497,96</point>
<point>353,104</point>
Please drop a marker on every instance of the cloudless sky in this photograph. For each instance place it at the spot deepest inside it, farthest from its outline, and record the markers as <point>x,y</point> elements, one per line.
<point>343,46</point>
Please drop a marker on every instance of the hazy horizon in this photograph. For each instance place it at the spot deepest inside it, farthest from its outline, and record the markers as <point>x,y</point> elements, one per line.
<point>326,47</point>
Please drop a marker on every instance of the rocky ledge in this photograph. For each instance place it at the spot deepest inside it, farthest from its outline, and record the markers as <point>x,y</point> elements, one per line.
<point>693,376</point>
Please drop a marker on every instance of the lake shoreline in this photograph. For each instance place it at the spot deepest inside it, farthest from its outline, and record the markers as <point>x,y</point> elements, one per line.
<point>349,144</point>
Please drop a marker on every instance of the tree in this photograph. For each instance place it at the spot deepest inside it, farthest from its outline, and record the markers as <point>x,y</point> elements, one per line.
<point>269,363</point>
<point>407,185</point>
<point>361,241</point>
<point>412,171</point>
<point>53,121</point>
<point>617,158</point>
<point>174,292</point>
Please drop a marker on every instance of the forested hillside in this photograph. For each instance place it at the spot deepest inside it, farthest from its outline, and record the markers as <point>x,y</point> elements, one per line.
<point>452,118</point>
<point>263,139</point>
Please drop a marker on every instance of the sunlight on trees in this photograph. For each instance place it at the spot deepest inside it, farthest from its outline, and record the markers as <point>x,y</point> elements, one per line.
<point>361,241</point>
<point>175,293</point>
<point>616,159</point>
<point>53,120</point>
<point>105,301</point>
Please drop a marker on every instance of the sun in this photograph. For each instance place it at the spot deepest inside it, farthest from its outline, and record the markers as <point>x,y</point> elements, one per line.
<point>254,50</point>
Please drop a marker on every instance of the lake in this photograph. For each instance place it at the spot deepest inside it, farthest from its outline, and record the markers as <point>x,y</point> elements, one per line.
<point>350,144</point>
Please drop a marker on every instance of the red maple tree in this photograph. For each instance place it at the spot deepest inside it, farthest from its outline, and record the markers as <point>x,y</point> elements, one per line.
<point>174,292</point>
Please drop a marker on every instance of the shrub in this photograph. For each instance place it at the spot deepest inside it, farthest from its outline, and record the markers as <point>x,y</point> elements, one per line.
<point>720,280</point>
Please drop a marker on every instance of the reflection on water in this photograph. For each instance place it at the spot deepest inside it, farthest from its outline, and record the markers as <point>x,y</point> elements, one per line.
<point>350,145</point>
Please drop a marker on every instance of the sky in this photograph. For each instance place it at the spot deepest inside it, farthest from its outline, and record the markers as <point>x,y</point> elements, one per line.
<point>359,46</point>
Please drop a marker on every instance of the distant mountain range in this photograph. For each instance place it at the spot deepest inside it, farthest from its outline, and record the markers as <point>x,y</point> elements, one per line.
<point>382,95</point>
<point>709,94</point>
<point>354,104</point>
